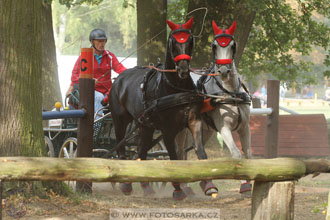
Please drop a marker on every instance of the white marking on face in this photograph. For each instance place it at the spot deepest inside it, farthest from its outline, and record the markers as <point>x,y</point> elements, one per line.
<point>224,52</point>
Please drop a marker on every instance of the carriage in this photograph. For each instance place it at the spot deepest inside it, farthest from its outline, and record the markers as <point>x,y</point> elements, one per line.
<point>61,135</point>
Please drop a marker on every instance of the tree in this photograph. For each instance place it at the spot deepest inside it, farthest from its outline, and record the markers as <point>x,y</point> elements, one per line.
<point>51,92</point>
<point>151,25</point>
<point>20,74</point>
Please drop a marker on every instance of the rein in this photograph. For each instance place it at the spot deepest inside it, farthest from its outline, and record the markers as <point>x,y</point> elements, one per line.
<point>160,70</point>
<point>195,71</point>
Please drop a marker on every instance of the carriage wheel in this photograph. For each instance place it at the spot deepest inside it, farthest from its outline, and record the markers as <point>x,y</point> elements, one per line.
<point>158,151</point>
<point>49,147</point>
<point>159,147</point>
<point>69,150</point>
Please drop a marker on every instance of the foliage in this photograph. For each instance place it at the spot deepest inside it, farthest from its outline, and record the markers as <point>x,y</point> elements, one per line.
<point>177,10</point>
<point>71,3</point>
<point>118,19</point>
<point>279,45</point>
<point>282,30</point>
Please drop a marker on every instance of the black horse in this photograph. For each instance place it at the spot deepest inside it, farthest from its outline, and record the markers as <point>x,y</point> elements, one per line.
<point>161,100</point>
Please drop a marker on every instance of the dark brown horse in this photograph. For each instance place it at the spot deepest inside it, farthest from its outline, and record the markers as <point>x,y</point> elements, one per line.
<point>166,101</point>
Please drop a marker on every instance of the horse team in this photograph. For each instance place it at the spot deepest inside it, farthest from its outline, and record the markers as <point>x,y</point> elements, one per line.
<point>169,101</point>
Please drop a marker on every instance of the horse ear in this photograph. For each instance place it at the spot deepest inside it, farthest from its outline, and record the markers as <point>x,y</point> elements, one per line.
<point>216,29</point>
<point>232,28</point>
<point>172,25</point>
<point>188,24</point>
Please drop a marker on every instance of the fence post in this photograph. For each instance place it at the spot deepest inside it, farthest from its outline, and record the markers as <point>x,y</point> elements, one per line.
<point>272,200</point>
<point>86,101</point>
<point>273,99</point>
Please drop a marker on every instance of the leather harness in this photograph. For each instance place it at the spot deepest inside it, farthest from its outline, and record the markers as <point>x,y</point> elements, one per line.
<point>243,96</point>
<point>165,102</point>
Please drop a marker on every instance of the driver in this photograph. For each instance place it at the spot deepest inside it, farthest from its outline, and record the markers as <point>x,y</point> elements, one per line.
<point>104,62</point>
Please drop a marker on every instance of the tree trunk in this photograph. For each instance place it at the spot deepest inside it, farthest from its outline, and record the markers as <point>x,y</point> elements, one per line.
<point>151,22</point>
<point>51,92</point>
<point>20,77</point>
<point>273,201</point>
<point>223,13</point>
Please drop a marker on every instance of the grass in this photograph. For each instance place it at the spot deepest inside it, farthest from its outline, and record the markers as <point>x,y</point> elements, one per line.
<point>307,106</point>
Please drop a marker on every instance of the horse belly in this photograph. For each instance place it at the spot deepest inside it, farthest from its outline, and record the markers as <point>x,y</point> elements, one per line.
<point>127,94</point>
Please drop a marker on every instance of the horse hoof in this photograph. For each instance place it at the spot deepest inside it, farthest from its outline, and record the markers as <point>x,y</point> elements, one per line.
<point>211,192</point>
<point>208,187</point>
<point>126,188</point>
<point>179,195</point>
<point>245,189</point>
<point>188,191</point>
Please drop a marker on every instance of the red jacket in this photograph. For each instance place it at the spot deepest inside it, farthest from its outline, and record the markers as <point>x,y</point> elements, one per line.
<point>109,61</point>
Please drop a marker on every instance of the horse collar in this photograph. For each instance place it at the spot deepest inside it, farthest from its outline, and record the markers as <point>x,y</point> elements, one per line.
<point>225,90</point>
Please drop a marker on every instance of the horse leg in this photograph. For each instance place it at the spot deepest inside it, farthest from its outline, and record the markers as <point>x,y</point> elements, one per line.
<point>229,140</point>
<point>245,138</point>
<point>207,133</point>
<point>182,143</point>
<point>169,139</point>
<point>120,131</point>
<point>195,127</point>
<point>121,124</point>
<point>146,135</point>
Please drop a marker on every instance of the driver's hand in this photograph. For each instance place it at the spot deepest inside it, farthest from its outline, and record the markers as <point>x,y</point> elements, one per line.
<point>105,101</point>
<point>68,93</point>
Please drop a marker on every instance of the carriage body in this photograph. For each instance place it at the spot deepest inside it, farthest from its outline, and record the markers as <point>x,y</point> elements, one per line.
<point>61,136</point>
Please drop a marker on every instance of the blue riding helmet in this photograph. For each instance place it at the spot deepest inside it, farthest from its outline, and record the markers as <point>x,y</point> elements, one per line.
<point>97,34</point>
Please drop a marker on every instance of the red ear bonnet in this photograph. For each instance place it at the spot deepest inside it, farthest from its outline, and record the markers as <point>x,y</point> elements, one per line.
<point>223,41</point>
<point>180,36</point>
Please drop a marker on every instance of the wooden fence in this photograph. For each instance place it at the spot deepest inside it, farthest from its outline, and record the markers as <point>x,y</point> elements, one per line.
<point>269,198</point>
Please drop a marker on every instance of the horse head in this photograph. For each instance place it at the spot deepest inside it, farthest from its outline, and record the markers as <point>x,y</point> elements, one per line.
<point>224,47</point>
<point>180,47</point>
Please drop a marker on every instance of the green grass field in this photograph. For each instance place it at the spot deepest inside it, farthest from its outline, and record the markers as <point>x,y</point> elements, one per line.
<point>307,107</point>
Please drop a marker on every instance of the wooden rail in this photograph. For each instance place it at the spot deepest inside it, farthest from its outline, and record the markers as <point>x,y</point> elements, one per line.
<point>269,198</point>
<point>105,170</point>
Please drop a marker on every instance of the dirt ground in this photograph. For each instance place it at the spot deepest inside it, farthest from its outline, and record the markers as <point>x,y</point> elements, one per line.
<point>310,201</point>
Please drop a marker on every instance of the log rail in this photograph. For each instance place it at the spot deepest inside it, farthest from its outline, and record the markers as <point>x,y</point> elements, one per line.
<point>273,190</point>
<point>105,170</point>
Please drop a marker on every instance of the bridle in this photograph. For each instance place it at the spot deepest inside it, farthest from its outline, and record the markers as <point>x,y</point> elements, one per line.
<point>173,40</point>
<point>214,46</point>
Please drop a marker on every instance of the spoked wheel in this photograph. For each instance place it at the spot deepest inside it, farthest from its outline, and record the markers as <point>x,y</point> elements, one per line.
<point>49,147</point>
<point>69,150</point>
<point>158,151</point>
